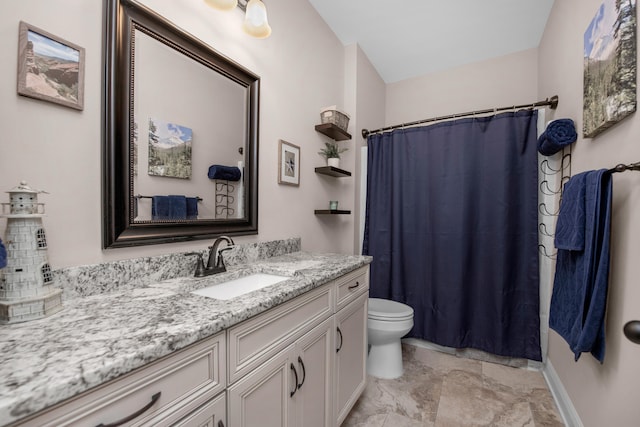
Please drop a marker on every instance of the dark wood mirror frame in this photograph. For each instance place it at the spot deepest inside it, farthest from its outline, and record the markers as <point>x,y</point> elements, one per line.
<point>122,17</point>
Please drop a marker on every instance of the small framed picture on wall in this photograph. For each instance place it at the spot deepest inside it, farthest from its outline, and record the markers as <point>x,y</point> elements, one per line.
<point>50,68</point>
<point>288,163</point>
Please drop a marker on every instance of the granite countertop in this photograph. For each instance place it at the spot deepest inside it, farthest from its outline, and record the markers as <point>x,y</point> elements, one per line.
<point>97,338</point>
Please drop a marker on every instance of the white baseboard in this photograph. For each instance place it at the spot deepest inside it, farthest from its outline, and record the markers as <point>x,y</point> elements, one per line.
<point>565,406</point>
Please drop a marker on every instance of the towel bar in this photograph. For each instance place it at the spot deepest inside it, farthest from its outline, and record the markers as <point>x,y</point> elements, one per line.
<point>139,196</point>
<point>621,167</point>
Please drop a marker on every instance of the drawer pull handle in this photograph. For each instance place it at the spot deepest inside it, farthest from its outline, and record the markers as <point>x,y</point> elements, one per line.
<point>304,372</point>
<point>136,414</point>
<point>352,287</point>
<point>339,333</point>
<point>295,385</point>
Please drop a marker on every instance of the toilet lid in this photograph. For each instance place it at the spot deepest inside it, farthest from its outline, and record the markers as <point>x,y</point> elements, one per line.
<point>380,309</point>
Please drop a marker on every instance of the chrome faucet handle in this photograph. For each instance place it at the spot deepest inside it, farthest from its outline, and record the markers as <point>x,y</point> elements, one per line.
<point>199,263</point>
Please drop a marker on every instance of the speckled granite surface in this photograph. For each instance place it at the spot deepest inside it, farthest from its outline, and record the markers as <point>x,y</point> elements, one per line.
<point>101,336</point>
<point>97,279</point>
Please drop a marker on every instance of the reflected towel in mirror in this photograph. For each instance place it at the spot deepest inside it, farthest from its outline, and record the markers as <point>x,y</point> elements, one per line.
<point>228,173</point>
<point>192,208</point>
<point>168,207</point>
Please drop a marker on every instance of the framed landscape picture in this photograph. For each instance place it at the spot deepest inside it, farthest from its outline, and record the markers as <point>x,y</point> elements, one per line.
<point>609,66</point>
<point>288,163</point>
<point>50,68</point>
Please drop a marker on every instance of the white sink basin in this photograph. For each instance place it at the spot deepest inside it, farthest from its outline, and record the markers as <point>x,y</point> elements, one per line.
<point>236,287</point>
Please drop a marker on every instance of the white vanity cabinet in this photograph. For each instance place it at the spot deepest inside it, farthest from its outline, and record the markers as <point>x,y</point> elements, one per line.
<point>162,393</point>
<point>298,364</point>
<point>301,363</point>
<point>350,364</point>
<point>291,389</point>
<point>350,367</point>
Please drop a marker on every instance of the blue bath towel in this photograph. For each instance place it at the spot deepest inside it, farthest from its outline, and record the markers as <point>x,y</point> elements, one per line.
<point>228,173</point>
<point>168,207</point>
<point>558,134</point>
<point>579,297</point>
<point>3,255</point>
<point>192,208</point>
<point>570,228</point>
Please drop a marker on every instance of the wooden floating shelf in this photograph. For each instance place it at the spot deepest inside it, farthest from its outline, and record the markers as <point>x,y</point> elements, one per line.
<point>331,212</point>
<point>333,132</point>
<point>333,171</point>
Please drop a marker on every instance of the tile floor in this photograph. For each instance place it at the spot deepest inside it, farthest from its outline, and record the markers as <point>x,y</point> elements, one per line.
<point>444,390</point>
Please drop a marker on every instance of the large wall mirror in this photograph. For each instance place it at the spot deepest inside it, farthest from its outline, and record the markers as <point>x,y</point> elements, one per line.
<point>180,134</point>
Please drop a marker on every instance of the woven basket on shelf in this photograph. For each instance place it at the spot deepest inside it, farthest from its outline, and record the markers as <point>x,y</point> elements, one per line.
<point>336,117</point>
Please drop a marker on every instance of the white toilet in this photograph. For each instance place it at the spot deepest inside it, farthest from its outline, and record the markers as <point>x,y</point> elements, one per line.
<point>387,322</point>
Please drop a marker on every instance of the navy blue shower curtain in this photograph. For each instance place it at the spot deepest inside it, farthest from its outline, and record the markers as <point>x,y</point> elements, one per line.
<point>451,223</point>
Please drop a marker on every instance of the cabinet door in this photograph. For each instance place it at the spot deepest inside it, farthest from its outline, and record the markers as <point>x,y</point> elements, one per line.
<point>313,398</point>
<point>263,397</point>
<point>351,352</point>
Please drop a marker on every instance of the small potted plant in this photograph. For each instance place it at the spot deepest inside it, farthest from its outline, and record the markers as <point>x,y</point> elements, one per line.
<point>332,152</point>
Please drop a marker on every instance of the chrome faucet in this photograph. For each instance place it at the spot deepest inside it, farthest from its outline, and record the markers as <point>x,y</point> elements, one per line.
<point>215,263</point>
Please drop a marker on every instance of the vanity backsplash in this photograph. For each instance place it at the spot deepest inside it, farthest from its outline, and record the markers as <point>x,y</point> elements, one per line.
<point>96,279</point>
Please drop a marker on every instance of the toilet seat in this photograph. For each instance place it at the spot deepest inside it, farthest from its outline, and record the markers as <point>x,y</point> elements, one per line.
<point>392,311</point>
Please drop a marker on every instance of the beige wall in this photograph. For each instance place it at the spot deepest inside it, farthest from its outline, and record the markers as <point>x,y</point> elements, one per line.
<point>607,394</point>
<point>503,81</point>
<point>59,149</point>
<point>364,94</point>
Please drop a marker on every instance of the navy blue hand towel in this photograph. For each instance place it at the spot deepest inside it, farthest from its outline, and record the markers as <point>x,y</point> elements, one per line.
<point>558,134</point>
<point>192,208</point>
<point>168,207</point>
<point>228,173</point>
<point>579,297</point>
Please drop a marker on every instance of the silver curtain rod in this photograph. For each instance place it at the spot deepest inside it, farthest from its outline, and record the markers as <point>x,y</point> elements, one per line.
<point>551,102</point>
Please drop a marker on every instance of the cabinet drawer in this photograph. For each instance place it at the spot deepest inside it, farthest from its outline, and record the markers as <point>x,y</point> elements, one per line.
<point>351,285</point>
<point>185,380</point>
<point>255,340</point>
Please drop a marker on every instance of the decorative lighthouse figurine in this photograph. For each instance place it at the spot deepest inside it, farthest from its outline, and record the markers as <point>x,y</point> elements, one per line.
<point>26,282</point>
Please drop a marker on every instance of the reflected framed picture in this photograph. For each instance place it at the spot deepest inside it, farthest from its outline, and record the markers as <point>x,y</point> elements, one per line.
<point>609,66</point>
<point>288,163</point>
<point>169,149</point>
<point>50,68</point>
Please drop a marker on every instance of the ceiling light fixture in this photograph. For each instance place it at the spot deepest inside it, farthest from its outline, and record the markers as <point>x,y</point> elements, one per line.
<point>255,15</point>
<point>222,4</point>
